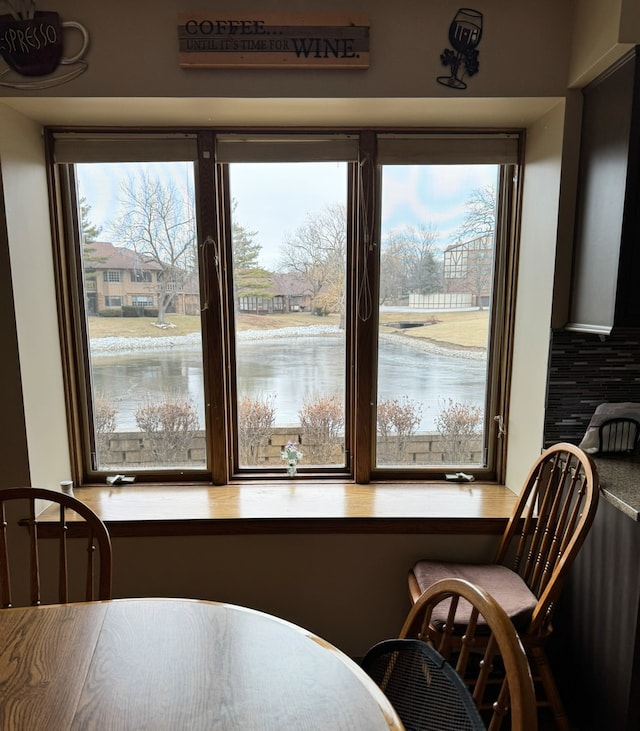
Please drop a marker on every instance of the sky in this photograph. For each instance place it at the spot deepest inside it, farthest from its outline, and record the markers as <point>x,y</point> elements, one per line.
<point>433,195</point>
<point>274,202</point>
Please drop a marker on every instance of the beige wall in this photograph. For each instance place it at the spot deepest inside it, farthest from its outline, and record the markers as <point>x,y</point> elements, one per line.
<point>13,445</point>
<point>133,51</point>
<point>535,286</point>
<point>350,589</point>
<point>603,31</point>
<point>29,234</point>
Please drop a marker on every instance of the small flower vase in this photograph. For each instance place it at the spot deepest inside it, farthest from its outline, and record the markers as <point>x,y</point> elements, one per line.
<point>291,454</point>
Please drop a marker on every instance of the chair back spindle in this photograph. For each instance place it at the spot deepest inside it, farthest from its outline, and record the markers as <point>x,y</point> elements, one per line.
<point>618,435</point>
<point>549,524</point>
<point>98,565</point>
<point>486,652</point>
<point>552,517</point>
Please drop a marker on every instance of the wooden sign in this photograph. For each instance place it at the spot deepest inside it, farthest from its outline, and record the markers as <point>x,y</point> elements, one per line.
<point>240,40</point>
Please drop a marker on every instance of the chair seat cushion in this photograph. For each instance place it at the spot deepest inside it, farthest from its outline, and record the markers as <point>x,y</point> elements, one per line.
<point>507,588</point>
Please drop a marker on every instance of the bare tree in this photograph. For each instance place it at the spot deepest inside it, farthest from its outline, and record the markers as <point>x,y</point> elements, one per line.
<point>480,216</point>
<point>408,264</point>
<point>475,239</point>
<point>480,267</point>
<point>317,252</point>
<point>394,286</point>
<point>158,223</point>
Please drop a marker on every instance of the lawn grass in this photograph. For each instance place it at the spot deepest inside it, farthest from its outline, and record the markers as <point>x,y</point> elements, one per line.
<point>466,329</point>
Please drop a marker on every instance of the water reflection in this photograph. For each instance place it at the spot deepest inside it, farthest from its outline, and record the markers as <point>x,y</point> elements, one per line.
<point>290,371</point>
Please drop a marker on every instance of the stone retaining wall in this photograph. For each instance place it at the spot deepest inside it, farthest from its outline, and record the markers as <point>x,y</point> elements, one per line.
<point>133,450</point>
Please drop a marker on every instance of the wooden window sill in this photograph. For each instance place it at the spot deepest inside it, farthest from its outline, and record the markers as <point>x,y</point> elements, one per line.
<point>299,507</point>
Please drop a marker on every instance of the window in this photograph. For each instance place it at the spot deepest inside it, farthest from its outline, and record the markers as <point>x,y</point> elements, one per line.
<point>111,276</point>
<point>434,314</point>
<point>349,293</point>
<point>290,368</point>
<point>138,275</point>
<point>255,304</point>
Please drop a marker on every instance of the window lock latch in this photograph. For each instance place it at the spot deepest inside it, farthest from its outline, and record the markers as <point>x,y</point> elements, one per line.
<point>459,477</point>
<point>120,479</point>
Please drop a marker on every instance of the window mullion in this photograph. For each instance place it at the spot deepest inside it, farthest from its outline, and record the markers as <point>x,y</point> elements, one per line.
<point>505,279</point>
<point>365,310</point>
<point>213,320</point>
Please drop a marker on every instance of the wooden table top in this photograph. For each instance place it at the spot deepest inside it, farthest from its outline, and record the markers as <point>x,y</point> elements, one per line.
<point>176,664</point>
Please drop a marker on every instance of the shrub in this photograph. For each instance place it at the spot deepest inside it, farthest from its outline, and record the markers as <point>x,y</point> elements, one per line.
<point>130,311</point>
<point>459,426</point>
<point>111,312</point>
<point>322,427</point>
<point>255,421</point>
<point>104,420</point>
<point>397,421</point>
<point>168,428</point>
<point>104,416</point>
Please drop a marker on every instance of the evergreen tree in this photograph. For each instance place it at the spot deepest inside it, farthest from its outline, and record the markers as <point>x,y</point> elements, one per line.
<point>89,233</point>
<point>249,278</point>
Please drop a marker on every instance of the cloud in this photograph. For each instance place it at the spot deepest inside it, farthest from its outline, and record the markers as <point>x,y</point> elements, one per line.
<point>431,195</point>
<point>274,199</point>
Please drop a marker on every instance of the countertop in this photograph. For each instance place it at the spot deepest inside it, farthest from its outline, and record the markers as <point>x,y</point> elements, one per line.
<point>620,483</point>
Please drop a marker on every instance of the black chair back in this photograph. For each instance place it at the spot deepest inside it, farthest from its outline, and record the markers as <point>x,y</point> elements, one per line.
<point>618,435</point>
<point>427,693</point>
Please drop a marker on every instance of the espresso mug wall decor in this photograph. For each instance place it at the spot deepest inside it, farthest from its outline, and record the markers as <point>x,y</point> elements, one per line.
<point>34,46</point>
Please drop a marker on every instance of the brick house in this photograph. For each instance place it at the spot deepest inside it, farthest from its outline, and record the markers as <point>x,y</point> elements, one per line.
<point>117,277</point>
<point>288,292</point>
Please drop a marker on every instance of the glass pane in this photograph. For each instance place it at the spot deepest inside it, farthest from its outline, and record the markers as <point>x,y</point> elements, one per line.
<point>142,303</point>
<point>289,253</point>
<point>436,270</point>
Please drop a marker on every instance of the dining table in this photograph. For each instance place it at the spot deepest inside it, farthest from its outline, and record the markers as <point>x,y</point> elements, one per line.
<point>164,663</point>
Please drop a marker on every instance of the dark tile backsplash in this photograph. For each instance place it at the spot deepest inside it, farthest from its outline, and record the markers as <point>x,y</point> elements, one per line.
<point>584,371</point>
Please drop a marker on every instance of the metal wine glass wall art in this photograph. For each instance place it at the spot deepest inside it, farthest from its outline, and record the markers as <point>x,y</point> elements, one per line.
<point>31,45</point>
<point>465,33</point>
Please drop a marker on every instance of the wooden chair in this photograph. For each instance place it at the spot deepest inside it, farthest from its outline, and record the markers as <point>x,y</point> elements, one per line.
<point>548,526</point>
<point>33,545</point>
<point>484,648</point>
<point>618,435</point>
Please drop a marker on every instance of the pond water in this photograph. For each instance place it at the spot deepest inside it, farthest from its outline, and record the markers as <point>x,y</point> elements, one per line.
<point>289,371</point>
